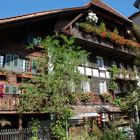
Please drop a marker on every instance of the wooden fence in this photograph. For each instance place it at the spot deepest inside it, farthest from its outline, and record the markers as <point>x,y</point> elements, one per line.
<point>25,134</point>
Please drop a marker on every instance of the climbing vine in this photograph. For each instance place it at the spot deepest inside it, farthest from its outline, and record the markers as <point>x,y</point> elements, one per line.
<point>49,90</point>
<point>113,75</point>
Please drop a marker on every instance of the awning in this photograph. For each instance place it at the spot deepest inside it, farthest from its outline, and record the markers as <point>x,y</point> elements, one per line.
<point>107,109</point>
<point>84,111</point>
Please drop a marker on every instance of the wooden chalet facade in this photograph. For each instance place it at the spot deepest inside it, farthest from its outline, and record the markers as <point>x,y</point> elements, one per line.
<point>17,62</point>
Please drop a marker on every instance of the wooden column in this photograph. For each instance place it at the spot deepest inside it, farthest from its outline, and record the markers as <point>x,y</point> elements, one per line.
<point>20,126</point>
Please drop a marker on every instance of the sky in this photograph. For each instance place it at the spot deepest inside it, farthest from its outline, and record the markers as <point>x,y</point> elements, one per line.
<point>10,8</point>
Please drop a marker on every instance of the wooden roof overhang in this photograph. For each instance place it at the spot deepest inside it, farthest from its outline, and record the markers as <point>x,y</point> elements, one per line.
<point>44,16</point>
<point>35,19</point>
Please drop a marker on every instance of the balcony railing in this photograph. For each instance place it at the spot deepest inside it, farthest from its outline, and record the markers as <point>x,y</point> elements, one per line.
<point>102,42</point>
<point>15,103</point>
<point>9,102</point>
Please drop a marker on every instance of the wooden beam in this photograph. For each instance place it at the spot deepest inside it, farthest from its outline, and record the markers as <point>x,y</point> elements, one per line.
<point>75,19</point>
<point>20,126</point>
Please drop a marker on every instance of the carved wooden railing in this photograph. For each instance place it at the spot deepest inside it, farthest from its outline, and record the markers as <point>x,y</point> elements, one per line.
<point>9,102</point>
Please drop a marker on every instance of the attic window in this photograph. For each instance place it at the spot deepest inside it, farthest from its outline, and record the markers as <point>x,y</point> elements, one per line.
<point>92,17</point>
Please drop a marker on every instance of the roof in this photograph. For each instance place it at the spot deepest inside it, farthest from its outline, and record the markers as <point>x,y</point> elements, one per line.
<point>97,3</point>
<point>136,3</point>
<point>83,111</point>
<point>108,8</point>
<point>134,15</point>
<point>39,14</point>
<point>107,108</point>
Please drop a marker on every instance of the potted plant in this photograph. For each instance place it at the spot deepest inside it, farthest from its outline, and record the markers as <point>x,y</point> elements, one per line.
<point>106,97</point>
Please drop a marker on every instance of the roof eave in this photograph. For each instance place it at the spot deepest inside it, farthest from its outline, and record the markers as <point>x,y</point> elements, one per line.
<point>136,3</point>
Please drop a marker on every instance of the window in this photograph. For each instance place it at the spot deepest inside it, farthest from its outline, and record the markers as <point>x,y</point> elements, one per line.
<point>10,89</point>
<point>81,70</point>
<point>7,89</point>
<point>8,62</point>
<point>34,66</point>
<point>88,71</point>
<point>22,65</point>
<point>1,61</point>
<point>85,86</point>
<point>102,87</point>
<point>100,62</point>
<point>27,65</point>
<point>102,74</point>
<point>96,72</point>
<point>14,89</point>
<point>15,63</point>
<point>121,65</point>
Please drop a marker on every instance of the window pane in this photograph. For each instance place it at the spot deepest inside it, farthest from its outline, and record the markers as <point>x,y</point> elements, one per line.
<point>14,90</point>
<point>96,72</point>
<point>102,87</point>
<point>88,71</point>
<point>1,61</point>
<point>34,66</point>
<point>27,66</point>
<point>81,70</point>
<point>15,60</point>
<point>22,65</point>
<point>85,86</point>
<point>100,62</point>
<point>7,89</point>
<point>8,60</point>
<point>102,74</point>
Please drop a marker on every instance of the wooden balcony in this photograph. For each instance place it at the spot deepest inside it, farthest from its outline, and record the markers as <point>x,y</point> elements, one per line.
<point>104,44</point>
<point>9,103</point>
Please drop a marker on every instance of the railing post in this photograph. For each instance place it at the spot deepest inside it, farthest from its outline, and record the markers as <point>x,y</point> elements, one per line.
<point>20,126</point>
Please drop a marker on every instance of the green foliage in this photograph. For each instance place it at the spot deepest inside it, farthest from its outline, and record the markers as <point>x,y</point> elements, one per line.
<point>113,134</point>
<point>72,98</point>
<point>113,70</point>
<point>137,131</point>
<point>50,91</point>
<point>102,27</point>
<point>35,128</point>
<point>115,31</point>
<point>89,28</point>
<point>86,97</point>
<point>101,31</point>
<point>58,130</point>
<point>106,97</point>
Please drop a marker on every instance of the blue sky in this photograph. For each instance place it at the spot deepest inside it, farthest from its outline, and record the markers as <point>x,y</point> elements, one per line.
<point>9,8</point>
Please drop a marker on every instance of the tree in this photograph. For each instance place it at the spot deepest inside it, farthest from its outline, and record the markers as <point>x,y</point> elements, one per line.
<point>56,79</point>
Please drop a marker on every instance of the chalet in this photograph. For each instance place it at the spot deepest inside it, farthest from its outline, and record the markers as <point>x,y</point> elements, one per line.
<point>109,42</point>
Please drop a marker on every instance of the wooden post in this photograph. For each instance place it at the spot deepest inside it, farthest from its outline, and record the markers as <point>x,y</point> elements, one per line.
<point>20,126</point>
